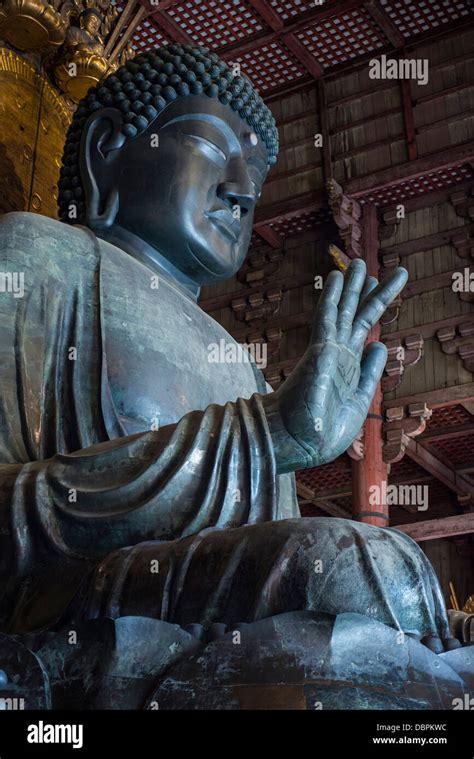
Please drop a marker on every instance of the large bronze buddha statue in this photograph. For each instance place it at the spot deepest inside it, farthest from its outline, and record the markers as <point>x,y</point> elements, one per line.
<point>137,478</point>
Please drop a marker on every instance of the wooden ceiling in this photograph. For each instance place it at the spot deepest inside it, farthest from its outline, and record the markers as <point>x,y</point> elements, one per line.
<point>287,43</point>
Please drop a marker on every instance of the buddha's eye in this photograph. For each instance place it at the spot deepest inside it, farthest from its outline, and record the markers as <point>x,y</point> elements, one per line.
<point>214,150</point>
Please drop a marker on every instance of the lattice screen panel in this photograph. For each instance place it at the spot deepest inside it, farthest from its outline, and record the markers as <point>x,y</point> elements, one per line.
<point>406,469</point>
<point>341,38</point>
<point>421,185</point>
<point>325,478</point>
<point>289,10</point>
<point>215,23</point>
<point>455,452</point>
<point>414,17</point>
<point>270,66</point>
<point>147,36</point>
<point>448,417</point>
<point>297,224</point>
<point>437,492</point>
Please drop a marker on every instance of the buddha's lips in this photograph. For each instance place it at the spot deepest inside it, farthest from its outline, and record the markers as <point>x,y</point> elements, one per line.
<point>226,223</point>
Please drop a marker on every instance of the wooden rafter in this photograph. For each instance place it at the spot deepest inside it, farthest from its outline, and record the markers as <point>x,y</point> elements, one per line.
<point>330,508</point>
<point>378,180</point>
<point>448,396</point>
<point>457,482</point>
<point>428,242</point>
<point>409,119</point>
<point>287,209</point>
<point>431,529</point>
<point>447,433</point>
<point>375,10</point>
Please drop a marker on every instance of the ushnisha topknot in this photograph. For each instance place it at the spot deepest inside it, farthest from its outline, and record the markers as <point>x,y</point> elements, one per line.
<point>142,87</point>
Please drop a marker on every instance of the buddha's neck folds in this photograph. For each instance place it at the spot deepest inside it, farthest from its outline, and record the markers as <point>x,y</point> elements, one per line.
<point>150,257</point>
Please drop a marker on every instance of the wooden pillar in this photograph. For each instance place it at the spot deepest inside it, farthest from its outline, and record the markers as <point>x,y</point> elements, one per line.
<point>371,470</point>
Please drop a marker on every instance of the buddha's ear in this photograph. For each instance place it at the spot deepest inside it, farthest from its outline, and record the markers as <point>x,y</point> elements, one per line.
<point>102,140</point>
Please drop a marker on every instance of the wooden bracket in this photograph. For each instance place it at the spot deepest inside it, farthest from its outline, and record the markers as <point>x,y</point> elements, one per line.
<point>260,265</point>
<point>402,424</point>
<point>347,215</point>
<point>463,203</point>
<point>401,353</point>
<point>257,305</point>
<point>459,339</point>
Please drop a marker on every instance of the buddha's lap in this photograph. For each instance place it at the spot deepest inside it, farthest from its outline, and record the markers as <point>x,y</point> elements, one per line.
<point>249,572</point>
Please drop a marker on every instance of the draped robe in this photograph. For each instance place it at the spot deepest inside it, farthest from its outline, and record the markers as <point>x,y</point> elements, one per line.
<point>120,442</point>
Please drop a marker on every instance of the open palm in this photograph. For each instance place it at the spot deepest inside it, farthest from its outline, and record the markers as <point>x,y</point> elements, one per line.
<point>316,414</point>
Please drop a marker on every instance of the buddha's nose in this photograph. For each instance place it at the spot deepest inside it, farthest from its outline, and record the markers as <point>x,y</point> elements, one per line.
<point>237,188</point>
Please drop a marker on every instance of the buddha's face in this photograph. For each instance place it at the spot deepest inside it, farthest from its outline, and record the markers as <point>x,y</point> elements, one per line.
<point>189,184</point>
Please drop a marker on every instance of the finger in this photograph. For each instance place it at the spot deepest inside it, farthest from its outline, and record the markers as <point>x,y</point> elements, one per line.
<point>353,284</point>
<point>324,324</point>
<point>370,284</point>
<point>376,303</point>
<point>371,371</point>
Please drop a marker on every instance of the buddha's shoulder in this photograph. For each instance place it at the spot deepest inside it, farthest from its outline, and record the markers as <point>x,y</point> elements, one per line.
<point>31,237</point>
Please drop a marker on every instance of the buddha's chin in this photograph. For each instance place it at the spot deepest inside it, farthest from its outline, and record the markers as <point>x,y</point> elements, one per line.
<point>221,265</point>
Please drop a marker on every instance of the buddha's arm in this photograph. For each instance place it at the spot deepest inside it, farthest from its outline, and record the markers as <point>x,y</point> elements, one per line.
<point>212,468</point>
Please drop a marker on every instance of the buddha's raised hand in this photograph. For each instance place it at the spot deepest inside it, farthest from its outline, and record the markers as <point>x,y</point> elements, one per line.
<point>315,415</point>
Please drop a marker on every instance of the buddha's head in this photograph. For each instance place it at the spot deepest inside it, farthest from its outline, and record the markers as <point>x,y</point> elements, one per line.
<point>174,148</point>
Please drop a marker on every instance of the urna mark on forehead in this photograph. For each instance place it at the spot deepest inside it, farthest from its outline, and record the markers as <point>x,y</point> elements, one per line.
<point>145,86</point>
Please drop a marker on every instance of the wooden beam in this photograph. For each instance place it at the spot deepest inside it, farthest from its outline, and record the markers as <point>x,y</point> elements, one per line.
<point>298,171</point>
<point>309,62</point>
<point>270,236</point>
<point>287,209</point>
<point>449,477</point>
<point>323,115</point>
<point>427,284</point>
<point>330,508</point>
<point>164,5</point>
<point>330,495</point>
<point>445,121</point>
<point>462,87</point>
<point>128,34</point>
<point>428,330</point>
<point>432,529</point>
<point>269,15</point>
<point>447,433</point>
<point>408,119</point>
<point>428,200</point>
<point>378,180</point>
<point>361,149</point>
<point>429,242</point>
<point>171,28</point>
<point>366,120</point>
<point>120,25</point>
<point>447,396</point>
<point>375,10</point>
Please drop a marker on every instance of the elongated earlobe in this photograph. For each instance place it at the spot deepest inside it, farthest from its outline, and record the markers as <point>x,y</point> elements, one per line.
<point>101,145</point>
<point>97,218</point>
